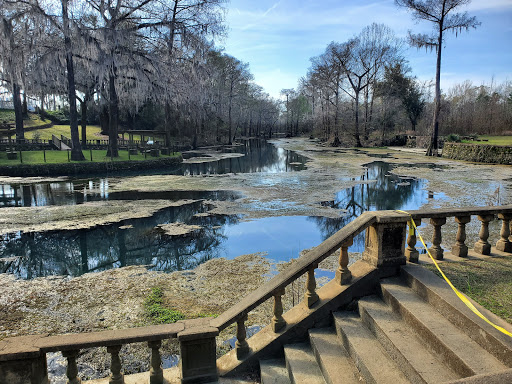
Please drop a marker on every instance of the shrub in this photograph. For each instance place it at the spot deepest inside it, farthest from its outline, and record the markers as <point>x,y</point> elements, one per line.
<point>452,137</point>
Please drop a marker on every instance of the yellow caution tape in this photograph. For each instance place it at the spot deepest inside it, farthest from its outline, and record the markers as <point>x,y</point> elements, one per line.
<point>464,299</point>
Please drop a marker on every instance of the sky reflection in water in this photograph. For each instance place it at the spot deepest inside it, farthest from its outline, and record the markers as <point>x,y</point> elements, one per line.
<point>137,242</point>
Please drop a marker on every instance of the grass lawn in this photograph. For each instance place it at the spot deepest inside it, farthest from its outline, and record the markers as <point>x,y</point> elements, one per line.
<point>32,120</point>
<point>37,157</point>
<point>57,130</point>
<point>488,282</point>
<point>492,140</point>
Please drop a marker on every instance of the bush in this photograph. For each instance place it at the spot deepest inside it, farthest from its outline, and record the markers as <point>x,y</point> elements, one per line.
<point>59,117</point>
<point>452,138</point>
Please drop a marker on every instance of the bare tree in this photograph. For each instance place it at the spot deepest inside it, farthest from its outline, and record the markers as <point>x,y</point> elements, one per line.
<point>442,14</point>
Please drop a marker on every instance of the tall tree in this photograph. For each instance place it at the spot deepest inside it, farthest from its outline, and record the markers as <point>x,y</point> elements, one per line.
<point>442,13</point>
<point>14,38</point>
<point>397,84</point>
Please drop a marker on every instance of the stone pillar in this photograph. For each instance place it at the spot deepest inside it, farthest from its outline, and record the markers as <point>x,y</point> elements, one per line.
<point>198,363</point>
<point>385,243</point>
<point>436,250</point>
<point>482,246</point>
<point>343,274</point>
<point>459,248</point>
<point>504,243</point>
<point>411,253</point>
<point>31,370</point>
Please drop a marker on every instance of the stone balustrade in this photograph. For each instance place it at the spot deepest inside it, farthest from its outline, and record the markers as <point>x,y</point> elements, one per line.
<point>23,359</point>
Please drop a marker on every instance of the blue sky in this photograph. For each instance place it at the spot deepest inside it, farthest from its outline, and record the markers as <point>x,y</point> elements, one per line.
<point>277,38</point>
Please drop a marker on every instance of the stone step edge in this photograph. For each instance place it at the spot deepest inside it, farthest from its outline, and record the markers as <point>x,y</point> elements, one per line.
<point>410,369</point>
<point>349,372</point>
<point>359,362</point>
<point>437,293</point>
<point>314,373</point>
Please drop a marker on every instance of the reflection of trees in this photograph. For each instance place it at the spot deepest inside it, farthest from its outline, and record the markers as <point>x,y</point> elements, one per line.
<point>259,156</point>
<point>384,193</point>
<point>105,247</point>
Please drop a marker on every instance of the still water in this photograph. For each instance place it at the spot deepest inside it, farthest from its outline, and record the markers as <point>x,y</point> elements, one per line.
<point>258,156</point>
<point>140,242</point>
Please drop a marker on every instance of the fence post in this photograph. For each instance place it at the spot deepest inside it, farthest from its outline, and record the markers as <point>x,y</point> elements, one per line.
<point>44,155</point>
<point>21,157</point>
<point>68,156</point>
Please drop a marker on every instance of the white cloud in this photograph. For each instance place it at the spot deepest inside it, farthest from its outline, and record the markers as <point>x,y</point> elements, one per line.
<point>480,5</point>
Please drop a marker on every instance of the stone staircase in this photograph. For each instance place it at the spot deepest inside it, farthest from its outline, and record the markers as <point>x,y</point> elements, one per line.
<point>414,331</point>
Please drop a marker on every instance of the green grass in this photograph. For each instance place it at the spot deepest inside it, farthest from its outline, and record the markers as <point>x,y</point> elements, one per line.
<point>37,157</point>
<point>488,282</point>
<point>57,130</point>
<point>492,140</point>
<point>156,312</point>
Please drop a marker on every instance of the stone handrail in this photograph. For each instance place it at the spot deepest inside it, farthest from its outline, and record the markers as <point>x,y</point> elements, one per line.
<point>384,249</point>
<point>294,271</point>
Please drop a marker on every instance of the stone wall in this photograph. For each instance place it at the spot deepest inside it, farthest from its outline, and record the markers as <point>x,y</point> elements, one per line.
<point>478,153</point>
<point>79,168</point>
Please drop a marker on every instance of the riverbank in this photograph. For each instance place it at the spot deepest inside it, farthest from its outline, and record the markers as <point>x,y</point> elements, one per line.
<point>76,168</point>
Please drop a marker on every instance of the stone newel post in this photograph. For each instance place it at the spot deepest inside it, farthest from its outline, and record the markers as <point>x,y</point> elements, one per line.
<point>198,362</point>
<point>385,242</point>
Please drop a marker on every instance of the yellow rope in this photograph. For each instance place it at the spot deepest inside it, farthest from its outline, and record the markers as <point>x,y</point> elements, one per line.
<point>459,294</point>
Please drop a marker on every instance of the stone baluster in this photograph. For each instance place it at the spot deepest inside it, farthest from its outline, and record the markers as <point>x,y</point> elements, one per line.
<point>116,376</point>
<point>436,250</point>
<point>241,345</point>
<point>411,253</point>
<point>504,243</point>
<point>311,297</point>
<point>343,274</point>
<point>72,368</point>
<point>156,374</point>
<point>278,322</point>
<point>459,248</point>
<point>482,246</point>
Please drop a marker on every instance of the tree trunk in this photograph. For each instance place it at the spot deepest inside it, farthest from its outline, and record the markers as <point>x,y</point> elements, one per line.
<point>25,105</point>
<point>356,125</point>
<point>434,145</point>
<point>113,118</point>
<point>168,124</point>
<point>83,109</point>
<point>76,149</point>
<point>229,119</point>
<point>18,111</point>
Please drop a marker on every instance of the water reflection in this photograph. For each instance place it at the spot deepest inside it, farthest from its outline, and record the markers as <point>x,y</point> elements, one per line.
<point>259,156</point>
<point>379,190</point>
<point>138,242</point>
<point>132,242</point>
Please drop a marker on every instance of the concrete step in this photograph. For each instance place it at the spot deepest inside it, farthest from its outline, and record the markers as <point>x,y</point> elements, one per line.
<point>369,356</point>
<point>274,371</point>
<point>302,365</point>
<point>333,359</point>
<point>455,348</point>
<point>416,362</point>
<point>438,294</point>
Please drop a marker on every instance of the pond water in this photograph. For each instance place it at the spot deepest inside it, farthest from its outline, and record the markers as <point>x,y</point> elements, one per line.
<point>141,242</point>
<point>258,156</point>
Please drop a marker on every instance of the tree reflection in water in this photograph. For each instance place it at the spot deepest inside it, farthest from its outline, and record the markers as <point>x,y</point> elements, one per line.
<point>379,190</point>
<point>137,242</point>
<point>132,242</point>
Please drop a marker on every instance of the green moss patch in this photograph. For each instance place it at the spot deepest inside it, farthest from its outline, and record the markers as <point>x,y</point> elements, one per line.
<point>156,312</point>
